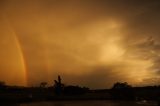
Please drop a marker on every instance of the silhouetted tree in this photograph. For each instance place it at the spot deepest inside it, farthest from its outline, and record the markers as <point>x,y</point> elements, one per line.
<point>58,86</point>
<point>122,91</point>
<point>120,85</point>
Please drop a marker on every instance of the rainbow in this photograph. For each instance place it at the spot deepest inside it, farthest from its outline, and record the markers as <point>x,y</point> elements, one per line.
<point>22,59</point>
<point>20,53</point>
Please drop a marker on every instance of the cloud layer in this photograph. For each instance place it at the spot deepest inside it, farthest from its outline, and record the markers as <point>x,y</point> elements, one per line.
<point>94,42</point>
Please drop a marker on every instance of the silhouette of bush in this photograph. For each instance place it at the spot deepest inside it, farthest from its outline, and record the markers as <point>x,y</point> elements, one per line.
<point>2,85</point>
<point>122,91</point>
<point>43,84</point>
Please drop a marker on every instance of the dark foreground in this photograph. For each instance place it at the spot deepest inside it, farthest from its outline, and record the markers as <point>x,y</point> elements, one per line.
<point>121,94</point>
<point>87,103</point>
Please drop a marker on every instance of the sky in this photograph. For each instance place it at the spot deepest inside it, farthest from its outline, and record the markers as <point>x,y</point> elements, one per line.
<point>92,43</point>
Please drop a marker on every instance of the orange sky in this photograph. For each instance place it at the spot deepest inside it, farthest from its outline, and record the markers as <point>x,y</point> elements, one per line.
<point>93,43</point>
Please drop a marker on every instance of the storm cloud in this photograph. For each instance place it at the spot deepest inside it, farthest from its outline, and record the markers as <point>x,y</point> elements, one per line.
<point>94,42</point>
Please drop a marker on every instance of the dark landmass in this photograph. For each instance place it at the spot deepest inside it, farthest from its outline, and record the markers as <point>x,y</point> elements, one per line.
<point>119,91</point>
